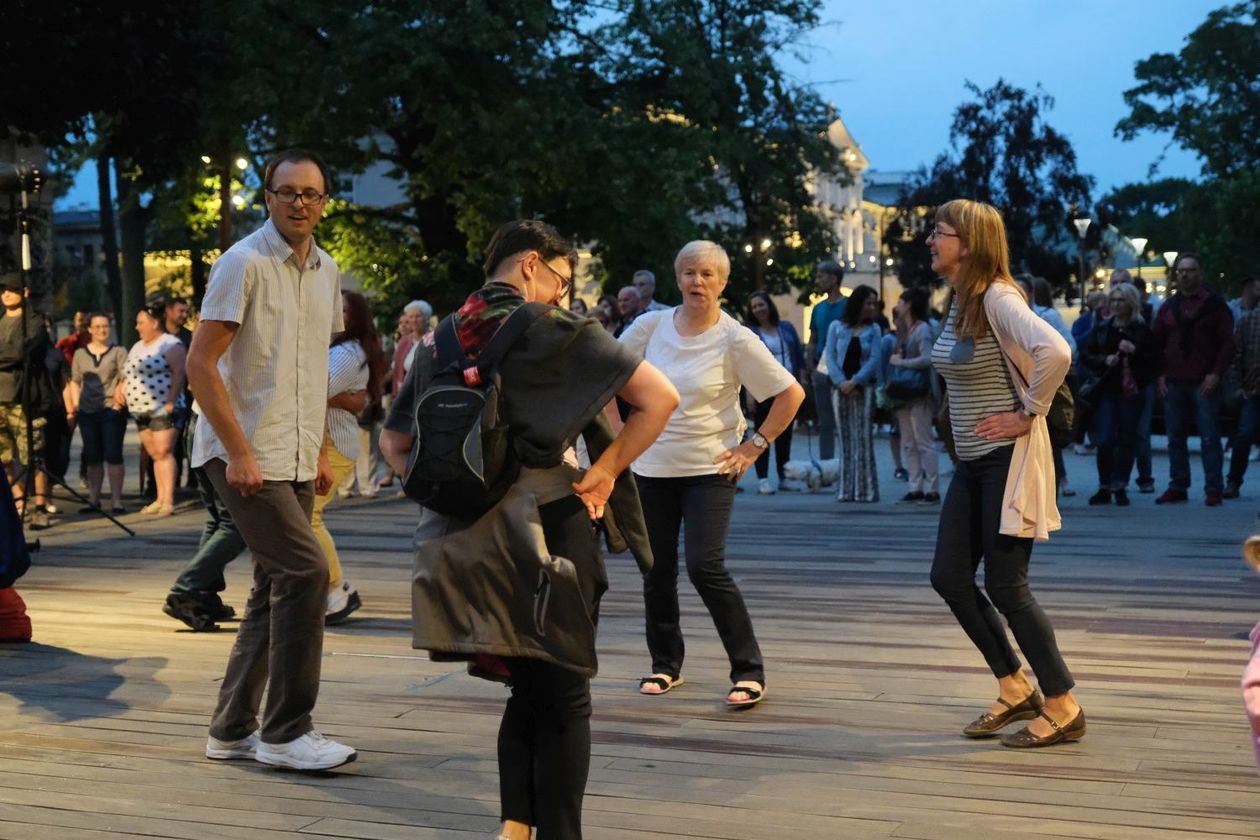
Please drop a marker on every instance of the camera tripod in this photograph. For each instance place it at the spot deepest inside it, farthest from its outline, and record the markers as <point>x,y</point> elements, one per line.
<point>29,181</point>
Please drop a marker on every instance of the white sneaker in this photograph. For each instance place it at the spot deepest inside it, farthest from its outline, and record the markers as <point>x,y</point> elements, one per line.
<point>341,602</point>
<point>311,751</point>
<point>232,750</point>
<point>765,488</point>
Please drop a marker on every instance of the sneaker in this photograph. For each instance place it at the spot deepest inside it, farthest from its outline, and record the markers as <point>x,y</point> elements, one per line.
<point>1066,489</point>
<point>901,474</point>
<point>1171,495</point>
<point>1102,497</point>
<point>244,748</point>
<point>37,518</point>
<point>765,488</point>
<point>193,611</point>
<point>51,508</point>
<point>1212,498</point>
<point>311,751</point>
<point>1146,486</point>
<point>341,602</point>
<point>913,496</point>
<point>1122,498</point>
<point>1231,490</point>
<point>931,499</point>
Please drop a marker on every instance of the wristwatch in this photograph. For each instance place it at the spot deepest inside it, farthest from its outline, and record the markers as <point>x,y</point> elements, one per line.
<point>759,440</point>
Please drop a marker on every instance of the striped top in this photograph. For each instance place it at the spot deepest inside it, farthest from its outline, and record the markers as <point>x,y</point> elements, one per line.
<point>979,386</point>
<point>347,371</point>
<point>276,368</point>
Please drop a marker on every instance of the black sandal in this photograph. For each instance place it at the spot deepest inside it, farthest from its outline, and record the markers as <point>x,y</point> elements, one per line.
<point>988,723</point>
<point>662,681</point>
<point>755,695</point>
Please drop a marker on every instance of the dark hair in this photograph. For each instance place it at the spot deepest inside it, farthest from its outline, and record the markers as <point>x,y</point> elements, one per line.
<point>831,267</point>
<point>916,298</point>
<point>175,300</point>
<point>1139,283</point>
<point>751,320</point>
<point>91,316</point>
<point>360,327</point>
<point>297,156</point>
<point>1042,294</point>
<point>856,303</point>
<point>1187,255</point>
<point>156,312</point>
<point>527,235</point>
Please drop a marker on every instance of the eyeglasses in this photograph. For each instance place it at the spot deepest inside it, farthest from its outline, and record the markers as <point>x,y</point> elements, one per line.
<point>936,233</point>
<point>287,195</point>
<point>565,282</point>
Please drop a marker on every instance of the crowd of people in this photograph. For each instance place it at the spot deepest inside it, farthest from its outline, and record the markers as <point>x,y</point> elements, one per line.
<point>633,423</point>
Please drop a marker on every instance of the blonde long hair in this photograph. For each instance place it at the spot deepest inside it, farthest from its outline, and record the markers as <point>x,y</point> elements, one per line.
<point>987,261</point>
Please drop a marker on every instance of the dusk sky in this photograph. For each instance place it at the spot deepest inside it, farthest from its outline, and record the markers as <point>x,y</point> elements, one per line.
<point>896,72</point>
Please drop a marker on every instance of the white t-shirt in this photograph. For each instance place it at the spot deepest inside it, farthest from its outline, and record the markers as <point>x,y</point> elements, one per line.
<point>708,370</point>
<point>147,374</point>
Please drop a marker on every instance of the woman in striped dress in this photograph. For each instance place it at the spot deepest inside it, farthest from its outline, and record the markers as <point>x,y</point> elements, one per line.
<point>1002,366</point>
<point>854,356</point>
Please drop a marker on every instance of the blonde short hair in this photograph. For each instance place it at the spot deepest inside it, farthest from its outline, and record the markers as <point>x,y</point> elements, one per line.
<point>1131,295</point>
<point>703,252</point>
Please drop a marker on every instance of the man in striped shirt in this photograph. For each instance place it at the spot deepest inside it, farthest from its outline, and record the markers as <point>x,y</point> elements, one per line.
<point>259,368</point>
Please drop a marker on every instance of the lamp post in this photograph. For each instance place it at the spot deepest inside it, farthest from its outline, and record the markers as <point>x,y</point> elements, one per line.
<point>1170,258</point>
<point>1082,228</point>
<point>1139,248</point>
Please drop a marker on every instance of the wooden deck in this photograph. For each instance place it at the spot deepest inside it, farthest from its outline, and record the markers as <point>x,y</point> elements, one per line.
<point>103,718</point>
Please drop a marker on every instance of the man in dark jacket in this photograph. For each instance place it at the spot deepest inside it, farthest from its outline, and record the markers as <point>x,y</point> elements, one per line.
<point>1194,340</point>
<point>24,344</point>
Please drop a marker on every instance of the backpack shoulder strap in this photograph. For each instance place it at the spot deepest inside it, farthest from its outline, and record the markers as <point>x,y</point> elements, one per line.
<point>447,340</point>
<point>521,319</point>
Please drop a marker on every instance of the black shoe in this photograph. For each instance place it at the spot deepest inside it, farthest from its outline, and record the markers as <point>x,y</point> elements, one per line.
<point>1146,486</point>
<point>931,499</point>
<point>1102,497</point>
<point>912,496</point>
<point>1231,490</point>
<point>1122,498</point>
<point>191,610</point>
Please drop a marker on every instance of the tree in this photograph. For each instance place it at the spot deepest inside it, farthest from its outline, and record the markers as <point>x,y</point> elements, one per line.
<point>1003,152</point>
<point>1207,99</point>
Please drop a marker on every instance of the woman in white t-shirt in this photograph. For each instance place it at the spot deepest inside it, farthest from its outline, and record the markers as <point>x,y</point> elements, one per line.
<point>689,475</point>
<point>153,379</point>
<point>354,381</point>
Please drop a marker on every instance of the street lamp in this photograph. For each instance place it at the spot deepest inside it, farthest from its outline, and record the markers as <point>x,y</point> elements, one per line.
<point>1170,257</point>
<point>1139,248</point>
<point>1082,228</point>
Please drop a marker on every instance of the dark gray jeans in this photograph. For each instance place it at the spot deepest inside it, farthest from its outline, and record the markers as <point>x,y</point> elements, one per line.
<point>280,641</point>
<point>968,533</point>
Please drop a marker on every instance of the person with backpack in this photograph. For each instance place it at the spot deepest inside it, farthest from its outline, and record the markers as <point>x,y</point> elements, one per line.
<point>1002,366</point>
<point>508,574</point>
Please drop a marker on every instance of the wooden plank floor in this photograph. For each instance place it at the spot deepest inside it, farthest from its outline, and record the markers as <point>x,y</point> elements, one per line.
<point>103,718</point>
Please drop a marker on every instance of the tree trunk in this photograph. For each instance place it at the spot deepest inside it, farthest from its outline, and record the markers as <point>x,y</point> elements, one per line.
<point>225,204</point>
<point>109,238</point>
<point>133,223</point>
<point>197,270</point>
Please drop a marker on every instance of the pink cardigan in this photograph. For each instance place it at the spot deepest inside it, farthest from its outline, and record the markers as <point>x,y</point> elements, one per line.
<point>1251,692</point>
<point>1037,355</point>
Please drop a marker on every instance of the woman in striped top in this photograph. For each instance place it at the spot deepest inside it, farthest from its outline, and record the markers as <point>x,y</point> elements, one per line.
<point>1002,366</point>
<point>355,373</point>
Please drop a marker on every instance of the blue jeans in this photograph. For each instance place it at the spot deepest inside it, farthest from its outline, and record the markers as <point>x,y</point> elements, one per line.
<point>1183,403</point>
<point>826,417</point>
<point>1115,435</point>
<point>1240,443</point>
<point>1144,437</point>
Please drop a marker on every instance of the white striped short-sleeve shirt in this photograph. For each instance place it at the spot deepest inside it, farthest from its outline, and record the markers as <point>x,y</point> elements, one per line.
<point>979,385</point>
<point>276,368</point>
<point>347,371</point>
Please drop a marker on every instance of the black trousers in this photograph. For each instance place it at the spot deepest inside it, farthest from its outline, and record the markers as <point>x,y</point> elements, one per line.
<point>703,503</point>
<point>545,733</point>
<point>782,444</point>
<point>968,533</point>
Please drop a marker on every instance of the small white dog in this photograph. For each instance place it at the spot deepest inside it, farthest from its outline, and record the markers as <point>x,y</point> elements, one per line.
<point>811,475</point>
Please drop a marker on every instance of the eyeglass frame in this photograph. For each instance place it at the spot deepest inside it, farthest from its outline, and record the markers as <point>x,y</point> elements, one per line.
<point>937,232</point>
<point>566,283</point>
<point>297,197</point>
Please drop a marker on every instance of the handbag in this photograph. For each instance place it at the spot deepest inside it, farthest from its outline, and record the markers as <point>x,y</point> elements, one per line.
<point>1128,384</point>
<point>906,383</point>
